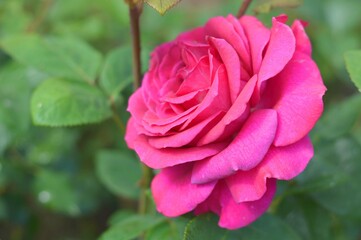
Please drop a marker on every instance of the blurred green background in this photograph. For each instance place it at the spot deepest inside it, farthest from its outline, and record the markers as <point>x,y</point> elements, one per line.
<point>69,183</point>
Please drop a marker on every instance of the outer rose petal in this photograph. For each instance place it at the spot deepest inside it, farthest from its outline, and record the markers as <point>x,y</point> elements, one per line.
<point>194,35</point>
<point>236,215</point>
<point>167,157</point>
<point>136,105</point>
<point>279,51</point>
<point>303,43</point>
<point>244,152</point>
<point>173,192</point>
<point>130,134</point>
<point>296,93</point>
<point>282,163</point>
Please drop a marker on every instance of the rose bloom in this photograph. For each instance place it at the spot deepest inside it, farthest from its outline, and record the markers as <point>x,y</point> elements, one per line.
<point>224,111</point>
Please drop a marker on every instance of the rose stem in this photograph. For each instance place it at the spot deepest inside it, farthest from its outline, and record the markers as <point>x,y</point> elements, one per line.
<point>41,15</point>
<point>135,10</point>
<point>243,8</point>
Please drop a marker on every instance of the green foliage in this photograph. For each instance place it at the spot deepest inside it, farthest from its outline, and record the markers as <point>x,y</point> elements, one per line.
<point>267,227</point>
<point>168,230</point>
<point>54,190</point>
<point>59,57</point>
<point>339,161</point>
<point>353,64</point>
<point>204,227</point>
<point>307,218</point>
<point>59,102</point>
<point>162,6</point>
<point>340,119</point>
<point>267,5</point>
<point>117,64</point>
<point>131,227</point>
<point>120,172</point>
<point>13,105</point>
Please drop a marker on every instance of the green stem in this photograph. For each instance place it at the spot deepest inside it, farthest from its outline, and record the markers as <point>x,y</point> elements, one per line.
<point>243,8</point>
<point>117,120</point>
<point>40,16</point>
<point>135,10</point>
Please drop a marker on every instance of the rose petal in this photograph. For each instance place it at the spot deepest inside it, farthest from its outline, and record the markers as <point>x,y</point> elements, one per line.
<point>282,163</point>
<point>232,63</point>
<point>236,215</point>
<point>197,79</point>
<point>247,149</point>
<point>217,99</point>
<point>181,99</point>
<point>167,157</point>
<point>195,35</point>
<point>303,43</point>
<point>234,117</point>
<point>156,126</point>
<point>131,133</point>
<point>296,93</point>
<point>220,27</point>
<point>169,65</point>
<point>279,51</point>
<point>182,138</point>
<point>173,192</point>
<point>258,37</point>
<point>136,105</point>
<point>244,44</point>
<point>192,52</point>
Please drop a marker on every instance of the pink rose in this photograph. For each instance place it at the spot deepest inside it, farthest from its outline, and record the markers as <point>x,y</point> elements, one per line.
<point>224,111</point>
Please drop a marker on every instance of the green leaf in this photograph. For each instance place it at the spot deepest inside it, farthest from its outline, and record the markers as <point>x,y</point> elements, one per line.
<point>119,172</point>
<point>131,227</point>
<point>59,57</point>
<point>54,190</point>
<point>171,229</point>
<point>63,103</point>
<point>267,5</point>
<point>162,6</point>
<point>5,138</point>
<point>333,178</point>
<point>120,216</point>
<point>117,71</point>
<point>50,145</point>
<point>341,159</point>
<point>268,227</point>
<point>353,65</point>
<point>340,118</point>
<point>307,218</point>
<point>204,227</point>
<point>3,212</point>
<point>14,18</point>
<point>14,98</point>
